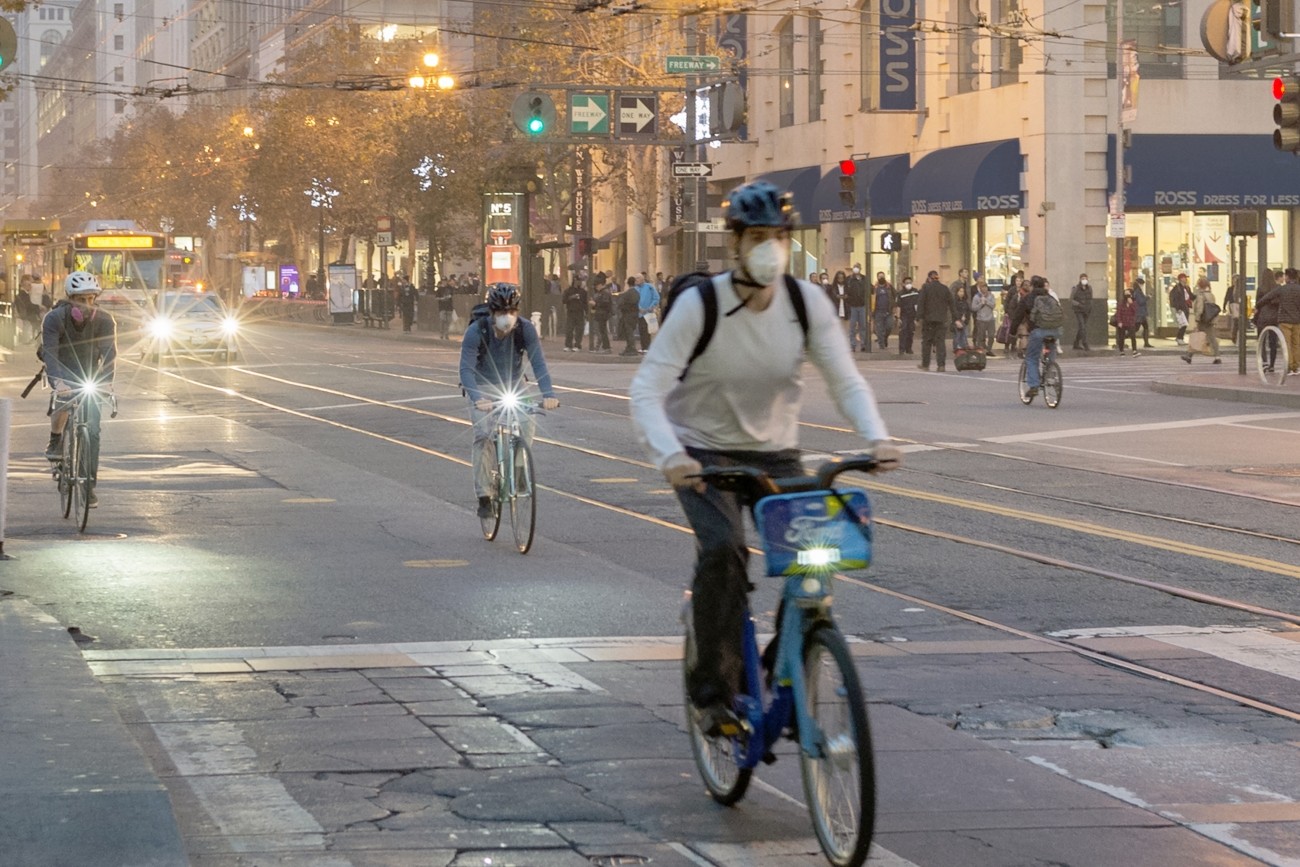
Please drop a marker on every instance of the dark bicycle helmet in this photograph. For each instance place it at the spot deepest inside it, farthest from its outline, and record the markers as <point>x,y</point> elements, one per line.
<point>758,204</point>
<point>503,296</point>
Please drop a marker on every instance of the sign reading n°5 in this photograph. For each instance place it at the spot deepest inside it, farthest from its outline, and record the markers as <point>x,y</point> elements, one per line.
<point>589,113</point>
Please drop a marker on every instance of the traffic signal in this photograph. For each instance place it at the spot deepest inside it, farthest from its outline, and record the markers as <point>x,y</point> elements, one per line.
<point>533,113</point>
<point>891,242</point>
<point>848,183</point>
<point>1286,114</point>
<point>8,43</point>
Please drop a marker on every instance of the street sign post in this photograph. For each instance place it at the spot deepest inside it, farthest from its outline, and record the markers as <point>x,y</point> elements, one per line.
<point>692,63</point>
<point>638,115</point>
<point>692,170</point>
<point>589,114</point>
<point>717,224</point>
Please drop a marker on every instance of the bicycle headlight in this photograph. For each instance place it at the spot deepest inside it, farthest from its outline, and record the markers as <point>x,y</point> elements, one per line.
<point>230,326</point>
<point>161,328</point>
<point>510,401</point>
<point>90,388</point>
<point>817,558</point>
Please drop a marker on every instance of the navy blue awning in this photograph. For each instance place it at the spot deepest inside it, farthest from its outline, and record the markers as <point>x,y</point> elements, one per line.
<point>801,183</point>
<point>881,177</point>
<point>1207,172</point>
<point>979,177</point>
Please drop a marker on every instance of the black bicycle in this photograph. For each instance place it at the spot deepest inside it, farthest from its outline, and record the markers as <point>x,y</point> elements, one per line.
<point>1050,382</point>
<point>73,471</point>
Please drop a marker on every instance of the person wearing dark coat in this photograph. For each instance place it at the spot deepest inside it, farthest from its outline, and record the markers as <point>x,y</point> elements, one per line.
<point>1140,301</point>
<point>575,313</point>
<point>907,301</point>
<point>1081,304</point>
<point>937,311</point>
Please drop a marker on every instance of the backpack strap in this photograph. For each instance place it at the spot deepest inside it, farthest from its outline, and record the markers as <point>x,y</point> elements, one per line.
<point>709,298</point>
<point>796,301</point>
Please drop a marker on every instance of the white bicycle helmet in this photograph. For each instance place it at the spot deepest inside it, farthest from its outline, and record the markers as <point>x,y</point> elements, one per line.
<point>82,283</point>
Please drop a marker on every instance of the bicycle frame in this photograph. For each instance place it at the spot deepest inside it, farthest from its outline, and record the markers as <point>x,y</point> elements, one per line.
<point>508,432</point>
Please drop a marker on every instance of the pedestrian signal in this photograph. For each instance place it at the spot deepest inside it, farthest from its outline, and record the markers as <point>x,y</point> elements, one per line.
<point>533,113</point>
<point>891,242</point>
<point>848,183</point>
<point>1286,114</point>
<point>8,43</point>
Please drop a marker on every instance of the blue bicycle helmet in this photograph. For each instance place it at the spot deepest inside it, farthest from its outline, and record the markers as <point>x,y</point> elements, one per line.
<point>758,204</point>
<point>503,296</point>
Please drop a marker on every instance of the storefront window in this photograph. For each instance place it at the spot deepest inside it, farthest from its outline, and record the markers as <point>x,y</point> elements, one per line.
<point>1001,237</point>
<point>805,255</point>
<point>895,265</point>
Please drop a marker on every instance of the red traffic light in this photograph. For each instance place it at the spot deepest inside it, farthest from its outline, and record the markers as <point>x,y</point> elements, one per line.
<point>1279,88</point>
<point>848,167</point>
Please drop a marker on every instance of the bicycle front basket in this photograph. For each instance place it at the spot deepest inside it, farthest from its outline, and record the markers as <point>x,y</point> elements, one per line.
<point>817,531</point>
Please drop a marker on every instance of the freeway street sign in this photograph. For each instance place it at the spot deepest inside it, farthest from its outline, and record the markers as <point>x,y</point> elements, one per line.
<point>692,63</point>
<point>589,113</point>
<point>692,170</point>
<point>638,115</point>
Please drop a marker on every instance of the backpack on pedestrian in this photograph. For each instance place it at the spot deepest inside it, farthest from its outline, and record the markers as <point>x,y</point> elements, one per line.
<point>1209,312</point>
<point>1046,312</point>
<point>702,281</point>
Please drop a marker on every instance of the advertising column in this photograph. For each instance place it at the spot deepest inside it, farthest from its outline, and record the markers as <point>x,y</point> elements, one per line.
<point>505,237</point>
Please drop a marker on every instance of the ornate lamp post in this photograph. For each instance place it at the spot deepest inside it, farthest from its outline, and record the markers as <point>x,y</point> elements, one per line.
<point>321,194</point>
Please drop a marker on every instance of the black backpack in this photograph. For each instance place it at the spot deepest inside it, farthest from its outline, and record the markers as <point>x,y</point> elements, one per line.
<point>1046,312</point>
<point>1209,313</point>
<point>481,317</point>
<point>703,281</point>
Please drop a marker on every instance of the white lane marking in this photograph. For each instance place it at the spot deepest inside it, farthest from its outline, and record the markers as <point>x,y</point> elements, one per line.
<point>1252,647</point>
<point>1112,455</point>
<point>1138,428</point>
<point>398,400</point>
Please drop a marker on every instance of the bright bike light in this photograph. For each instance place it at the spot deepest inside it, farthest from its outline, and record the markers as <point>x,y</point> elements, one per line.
<point>161,328</point>
<point>230,326</point>
<point>815,558</point>
<point>90,387</point>
<point>510,401</point>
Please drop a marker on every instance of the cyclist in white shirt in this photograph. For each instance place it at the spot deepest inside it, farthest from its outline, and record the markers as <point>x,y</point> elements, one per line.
<point>738,403</point>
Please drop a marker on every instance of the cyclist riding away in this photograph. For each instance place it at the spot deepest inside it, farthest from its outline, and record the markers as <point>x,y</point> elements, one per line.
<point>737,403</point>
<point>79,348</point>
<point>1044,315</point>
<point>491,366</point>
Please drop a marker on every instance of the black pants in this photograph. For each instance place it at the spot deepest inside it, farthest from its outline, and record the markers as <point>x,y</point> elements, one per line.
<point>1145,328</point>
<point>1122,334</point>
<point>933,334</point>
<point>721,580</point>
<point>600,328</point>
<point>905,332</point>
<point>1080,330</point>
<point>573,323</point>
<point>1270,347</point>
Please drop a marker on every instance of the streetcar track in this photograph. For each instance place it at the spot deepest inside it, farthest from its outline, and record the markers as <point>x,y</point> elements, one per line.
<point>1100,657</point>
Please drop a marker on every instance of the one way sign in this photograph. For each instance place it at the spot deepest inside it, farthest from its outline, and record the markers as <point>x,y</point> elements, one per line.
<point>638,115</point>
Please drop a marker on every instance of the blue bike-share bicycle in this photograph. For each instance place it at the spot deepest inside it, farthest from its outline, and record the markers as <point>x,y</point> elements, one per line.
<point>809,690</point>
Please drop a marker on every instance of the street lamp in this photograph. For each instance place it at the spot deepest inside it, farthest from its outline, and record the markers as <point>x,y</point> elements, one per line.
<point>321,194</point>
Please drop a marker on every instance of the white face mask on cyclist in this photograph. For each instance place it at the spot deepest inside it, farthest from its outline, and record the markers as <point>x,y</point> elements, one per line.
<point>505,321</point>
<point>766,261</point>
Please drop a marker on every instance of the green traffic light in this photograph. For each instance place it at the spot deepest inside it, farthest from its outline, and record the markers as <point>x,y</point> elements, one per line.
<point>536,125</point>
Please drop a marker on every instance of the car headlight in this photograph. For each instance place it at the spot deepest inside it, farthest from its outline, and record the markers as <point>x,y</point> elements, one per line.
<point>230,326</point>
<point>161,328</point>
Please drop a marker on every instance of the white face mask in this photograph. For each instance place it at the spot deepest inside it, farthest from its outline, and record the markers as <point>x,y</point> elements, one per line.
<point>505,321</point>
<point>766,261</point>
<point>907,285</point>
<point>1083,282</point>
<point>857,270</point>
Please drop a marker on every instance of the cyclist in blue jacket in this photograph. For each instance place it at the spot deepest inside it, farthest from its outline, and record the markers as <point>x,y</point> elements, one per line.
<point>79,347</point>
<point>491,366</point>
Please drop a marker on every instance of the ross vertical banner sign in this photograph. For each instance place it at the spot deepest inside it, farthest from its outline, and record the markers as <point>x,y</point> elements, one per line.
<point>898,55</point>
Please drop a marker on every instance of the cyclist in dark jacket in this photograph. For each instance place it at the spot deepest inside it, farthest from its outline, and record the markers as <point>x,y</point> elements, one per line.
<point>79,348</point>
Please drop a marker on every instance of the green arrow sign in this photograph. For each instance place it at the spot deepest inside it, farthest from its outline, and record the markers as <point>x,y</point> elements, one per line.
<point>689,63</point>
<point>589,113</point>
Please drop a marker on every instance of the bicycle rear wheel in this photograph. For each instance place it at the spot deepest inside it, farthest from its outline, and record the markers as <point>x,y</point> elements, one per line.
<point>1276,373</point>
<point>81,479</point>
<point>1025,397</point>
<point>714,757</point>
<point>840,783</point>
<point>523,500</point>
<point>67,470</point>
<point>492,523</point>
<point>1052,384</point>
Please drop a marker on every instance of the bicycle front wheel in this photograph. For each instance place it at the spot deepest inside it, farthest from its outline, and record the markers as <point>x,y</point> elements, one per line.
<point>714,757</point>
<point>67,470</point>
<point>1025,397</point>
<point>523,499</point>
<point>1052,384</point>
<point>1271,336</point>
<point>840,780</point>
<point>81,480</point>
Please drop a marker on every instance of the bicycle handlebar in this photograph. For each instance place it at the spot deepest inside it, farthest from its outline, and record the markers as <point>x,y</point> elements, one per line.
<point>756,483</point>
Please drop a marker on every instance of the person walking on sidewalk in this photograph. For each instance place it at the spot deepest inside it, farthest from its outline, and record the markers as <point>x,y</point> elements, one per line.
<point>1081,304</point>
<point>907,300</point>
<point>1204,312</point>
<point>938,311</point>
<point>855,288</point>
<point>1180,299</point>
<point>883,305</point>
<point>575,312</point>
<point>1140,299</point>
<point>1287,299</point>
<point>1126,318</point>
